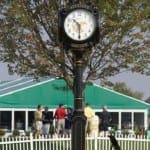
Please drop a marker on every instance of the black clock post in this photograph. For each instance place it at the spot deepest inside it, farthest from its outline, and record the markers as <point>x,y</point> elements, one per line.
<point>74,36</point>
<point>79,120</point>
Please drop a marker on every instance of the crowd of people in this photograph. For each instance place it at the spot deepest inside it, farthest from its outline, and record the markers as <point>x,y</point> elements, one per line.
<point>61,122</point>
<point>44,122</point>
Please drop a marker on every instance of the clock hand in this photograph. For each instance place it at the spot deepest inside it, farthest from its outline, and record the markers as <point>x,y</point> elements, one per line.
<point>76,22</point>
<point>79,30</point>
<point>79,26</point>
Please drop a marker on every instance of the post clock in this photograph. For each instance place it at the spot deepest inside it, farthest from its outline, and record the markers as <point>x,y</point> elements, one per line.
<point>78,32</point>
<point>78,26</point>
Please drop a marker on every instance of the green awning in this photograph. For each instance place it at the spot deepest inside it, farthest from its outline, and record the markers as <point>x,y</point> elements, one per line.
<point>98,96</point>
<point>52,92</point>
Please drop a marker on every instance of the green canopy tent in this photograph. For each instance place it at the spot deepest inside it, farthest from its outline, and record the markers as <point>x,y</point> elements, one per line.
<point>26,93</point>
<point>52,92</point>
<point>48,93</point>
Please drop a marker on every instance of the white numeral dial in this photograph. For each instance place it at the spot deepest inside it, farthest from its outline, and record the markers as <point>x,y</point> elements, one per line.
<point>79,24</point>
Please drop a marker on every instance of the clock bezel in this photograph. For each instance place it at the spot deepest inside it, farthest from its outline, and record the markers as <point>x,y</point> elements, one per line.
<point>93,19</point>
<point>68,38</point>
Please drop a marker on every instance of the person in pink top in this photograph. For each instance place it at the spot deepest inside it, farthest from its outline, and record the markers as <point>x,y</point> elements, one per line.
<point>59,115</point>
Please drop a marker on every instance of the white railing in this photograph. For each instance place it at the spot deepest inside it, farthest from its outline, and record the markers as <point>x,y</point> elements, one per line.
<point>64,143</point>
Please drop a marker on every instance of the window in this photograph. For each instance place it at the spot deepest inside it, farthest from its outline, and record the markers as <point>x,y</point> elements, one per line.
<point>114,119</point>
<point>19,120</point>
<point>139,120</point>
<point>126,120</point>
<point>5,119</point>
<point>30,119</point>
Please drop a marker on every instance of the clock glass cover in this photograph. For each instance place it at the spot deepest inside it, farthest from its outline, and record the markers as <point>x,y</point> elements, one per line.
<point>79,24</point>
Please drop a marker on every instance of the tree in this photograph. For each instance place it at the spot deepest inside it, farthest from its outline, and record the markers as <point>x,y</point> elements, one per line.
<point>148,100</point>
<point>30,45</point>
<point>122,88</point>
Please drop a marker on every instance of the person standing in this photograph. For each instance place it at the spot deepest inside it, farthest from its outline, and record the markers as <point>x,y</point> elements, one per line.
<point>89,113</point>
<point>46,121</point>
<point>68,121</point>
<point>59,115</point>
<point>94,126</point>
<point>105,119</point>
<point>38,120</point>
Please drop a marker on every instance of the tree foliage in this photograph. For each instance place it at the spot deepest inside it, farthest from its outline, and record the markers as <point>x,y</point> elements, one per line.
<point>30,45</point>
<point>122,88</point>
<point>148,100</point>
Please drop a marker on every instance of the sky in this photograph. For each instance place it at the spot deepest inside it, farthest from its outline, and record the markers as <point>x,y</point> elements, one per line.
<point>134,81</point>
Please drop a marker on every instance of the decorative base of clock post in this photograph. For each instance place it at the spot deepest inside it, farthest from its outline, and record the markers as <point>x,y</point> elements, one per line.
<point>78,131</point>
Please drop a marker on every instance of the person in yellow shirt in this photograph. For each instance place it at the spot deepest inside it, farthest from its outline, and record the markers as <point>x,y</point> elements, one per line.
<point>89,113</point>
<point>94,126</point>
<point>38,120</point>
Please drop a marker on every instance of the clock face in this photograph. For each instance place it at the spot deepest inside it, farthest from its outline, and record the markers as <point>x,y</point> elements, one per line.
<point>79,24</point>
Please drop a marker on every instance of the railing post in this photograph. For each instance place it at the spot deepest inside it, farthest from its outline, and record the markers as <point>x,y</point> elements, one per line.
<point>95,143</point>
<point>2,145</point>
<point>31,141</point>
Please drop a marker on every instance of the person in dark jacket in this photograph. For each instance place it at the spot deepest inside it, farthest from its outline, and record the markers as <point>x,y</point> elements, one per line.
<point>68,121</point>
<point>105,119</point>
<point>46,121</point>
